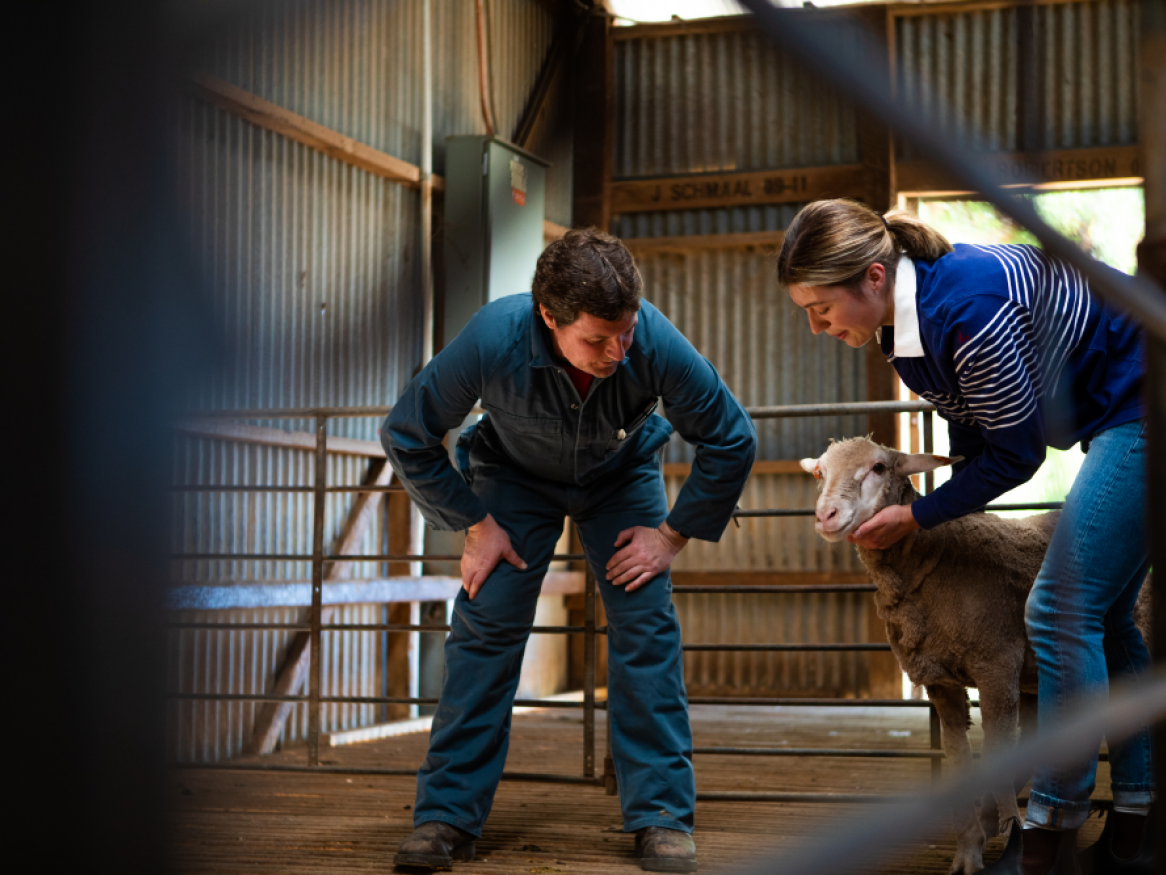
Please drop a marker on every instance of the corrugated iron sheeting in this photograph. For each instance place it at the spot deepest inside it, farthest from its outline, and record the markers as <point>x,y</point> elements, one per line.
<point>728,304</point>
<point>313,282</point>
<point>963,68</point>
<point>310,267</point>
<point>259,522</point>
<point>355,66</point>
<point>696,103</point>
<point>732,220</point>
<point>223,661</point>
<point>768,619</point>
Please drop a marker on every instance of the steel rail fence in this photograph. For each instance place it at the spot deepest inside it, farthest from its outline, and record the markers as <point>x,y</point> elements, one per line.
<point>315,628</point>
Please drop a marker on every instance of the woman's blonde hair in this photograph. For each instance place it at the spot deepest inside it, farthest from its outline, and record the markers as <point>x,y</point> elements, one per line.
<point>833,242</point>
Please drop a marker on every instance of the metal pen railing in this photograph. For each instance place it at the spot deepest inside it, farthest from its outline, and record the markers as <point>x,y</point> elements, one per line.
<point>315,698</point>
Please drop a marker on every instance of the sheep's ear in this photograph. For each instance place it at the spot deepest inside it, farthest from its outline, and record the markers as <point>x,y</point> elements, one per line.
<point>810,466</point>
<point>919,463</point>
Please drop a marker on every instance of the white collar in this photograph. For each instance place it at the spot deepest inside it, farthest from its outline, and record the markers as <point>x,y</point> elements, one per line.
<point>907,341</point>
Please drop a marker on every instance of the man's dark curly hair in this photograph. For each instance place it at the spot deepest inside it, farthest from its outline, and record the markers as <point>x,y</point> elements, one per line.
<point>587,271</point>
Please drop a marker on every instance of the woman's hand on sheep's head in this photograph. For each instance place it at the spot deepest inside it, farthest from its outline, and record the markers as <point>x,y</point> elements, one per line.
<point>887,527</point>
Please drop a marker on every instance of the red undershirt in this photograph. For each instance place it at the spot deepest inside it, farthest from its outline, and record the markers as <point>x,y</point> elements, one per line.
<point>580,379</point>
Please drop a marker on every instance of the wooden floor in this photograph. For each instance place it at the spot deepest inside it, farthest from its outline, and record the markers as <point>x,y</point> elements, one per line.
<point>289,823</point>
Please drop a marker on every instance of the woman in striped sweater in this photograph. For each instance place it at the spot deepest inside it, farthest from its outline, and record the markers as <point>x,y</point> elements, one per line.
<point>1017,356</point>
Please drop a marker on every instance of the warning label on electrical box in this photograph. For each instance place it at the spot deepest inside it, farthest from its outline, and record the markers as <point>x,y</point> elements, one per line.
<point>518,182</point>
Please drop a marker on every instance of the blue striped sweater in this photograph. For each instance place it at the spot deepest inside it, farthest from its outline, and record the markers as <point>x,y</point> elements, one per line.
<point>1017,356</point>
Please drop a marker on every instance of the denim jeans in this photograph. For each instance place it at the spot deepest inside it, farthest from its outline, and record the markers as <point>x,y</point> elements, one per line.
<point>1080,621</point>
<point>651,739</point>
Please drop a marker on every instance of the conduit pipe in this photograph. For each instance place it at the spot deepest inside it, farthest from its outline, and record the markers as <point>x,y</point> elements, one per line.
<point>416,522</point>
<point>484,70</point>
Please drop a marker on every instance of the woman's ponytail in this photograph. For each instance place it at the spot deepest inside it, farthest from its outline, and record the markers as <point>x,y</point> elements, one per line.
<point>916,238</point>
<point>833,242</point>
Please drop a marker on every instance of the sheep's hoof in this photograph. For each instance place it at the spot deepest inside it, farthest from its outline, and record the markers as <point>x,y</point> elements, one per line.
<point>969,850</point>
<point>966,862</point>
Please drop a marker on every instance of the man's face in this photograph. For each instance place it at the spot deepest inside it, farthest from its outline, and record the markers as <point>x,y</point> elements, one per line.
<point>593,345</point>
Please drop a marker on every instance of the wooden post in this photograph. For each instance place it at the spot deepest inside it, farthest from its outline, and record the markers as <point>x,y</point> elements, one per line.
<point>876,153</point>
<point>594,125</point>
<point>1152,261</point>
<point>400,520</point>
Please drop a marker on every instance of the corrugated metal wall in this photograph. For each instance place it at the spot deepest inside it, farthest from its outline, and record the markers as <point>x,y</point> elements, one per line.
<point>355,66</point>
<point>703,102</point>
<point>728,304</point>
<point>258,522</point>
<point>214,661</point>
<point>313,264</point>
<point>312,271</point>
<point>726,101</point>
<point>965,68</point>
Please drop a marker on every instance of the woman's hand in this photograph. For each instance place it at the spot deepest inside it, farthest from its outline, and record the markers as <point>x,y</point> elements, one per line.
<point>889,526</point>
<point>646,554</point>
<point>487,544</point>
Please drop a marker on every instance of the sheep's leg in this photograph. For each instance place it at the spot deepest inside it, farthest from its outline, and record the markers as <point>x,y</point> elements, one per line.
<point>951,703</point>
<point>998,711</point>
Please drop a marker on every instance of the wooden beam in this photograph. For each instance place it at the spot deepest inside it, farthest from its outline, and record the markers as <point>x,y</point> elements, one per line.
<point>227,430</point>
<point>1063,168</point>
<point>566,43</point>
<point>766,578</point>
<point>275,118</point>
<point>272,117</point>
<point>594,125</point>
<point>959,7</point>
<point>716,190</point>
<point>360,517</point>
<point>702,26</point>
<point>772,466</point>
<point>273,716</point>
<point>690,242</point>
<point>874,135</point>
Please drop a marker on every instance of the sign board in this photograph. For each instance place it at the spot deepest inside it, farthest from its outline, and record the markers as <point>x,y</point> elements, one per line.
<point>715,190</point>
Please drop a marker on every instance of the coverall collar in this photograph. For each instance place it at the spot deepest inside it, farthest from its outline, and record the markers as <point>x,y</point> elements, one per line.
<point>541,355</point>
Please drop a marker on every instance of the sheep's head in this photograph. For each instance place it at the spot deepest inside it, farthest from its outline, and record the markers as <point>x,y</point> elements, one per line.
<point>858,478</point>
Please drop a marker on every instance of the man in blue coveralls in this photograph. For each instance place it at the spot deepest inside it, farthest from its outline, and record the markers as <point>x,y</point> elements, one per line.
<point>569,376</point>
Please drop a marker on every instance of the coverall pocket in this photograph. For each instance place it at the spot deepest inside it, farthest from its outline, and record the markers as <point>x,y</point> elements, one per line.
<point>620,437</point>
<point>532,441</point>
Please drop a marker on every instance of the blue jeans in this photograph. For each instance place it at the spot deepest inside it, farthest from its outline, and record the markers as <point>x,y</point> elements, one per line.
<point>1080,621</point>
<point>651,739</point>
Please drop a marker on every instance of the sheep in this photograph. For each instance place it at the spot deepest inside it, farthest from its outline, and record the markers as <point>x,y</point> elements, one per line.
<point>953,601</point>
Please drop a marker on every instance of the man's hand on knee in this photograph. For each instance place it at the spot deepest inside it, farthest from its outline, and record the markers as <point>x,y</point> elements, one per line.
<point>646,552</point>
<point>487,544</point>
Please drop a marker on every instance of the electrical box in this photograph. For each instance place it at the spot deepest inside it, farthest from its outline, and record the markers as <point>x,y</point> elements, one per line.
<point>495,202</point>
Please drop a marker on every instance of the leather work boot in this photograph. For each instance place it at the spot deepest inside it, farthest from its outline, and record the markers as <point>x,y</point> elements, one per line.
<point>435,844</point>
<point>665,850</point>
<point>1011,862</point>
<point>1099,859</point>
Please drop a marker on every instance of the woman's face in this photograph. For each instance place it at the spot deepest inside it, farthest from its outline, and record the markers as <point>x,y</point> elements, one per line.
<point>847,314</point>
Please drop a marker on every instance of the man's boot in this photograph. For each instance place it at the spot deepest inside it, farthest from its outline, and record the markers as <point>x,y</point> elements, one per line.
<point>435,844</point>
<point>665,850</point>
